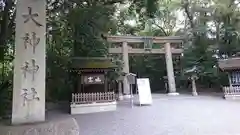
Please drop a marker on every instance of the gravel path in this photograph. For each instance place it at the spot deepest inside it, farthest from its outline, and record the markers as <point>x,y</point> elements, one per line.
<point>181,115</point>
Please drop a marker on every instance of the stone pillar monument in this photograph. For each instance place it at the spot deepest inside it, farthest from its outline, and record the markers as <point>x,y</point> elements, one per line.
<point>170,71</point>
<point>29,64</point>
<point>126,86</point>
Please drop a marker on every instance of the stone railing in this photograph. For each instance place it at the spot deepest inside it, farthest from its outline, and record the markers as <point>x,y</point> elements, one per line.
<point>86,98</point>
<point>231,91</point>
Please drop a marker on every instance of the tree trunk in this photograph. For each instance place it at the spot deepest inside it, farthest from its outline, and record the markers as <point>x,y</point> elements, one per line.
<point>194,88</point>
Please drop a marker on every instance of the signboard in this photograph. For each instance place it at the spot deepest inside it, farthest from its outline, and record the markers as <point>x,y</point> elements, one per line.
<point>94,79</point>
<point>144,91</point>
<point>131,78</point>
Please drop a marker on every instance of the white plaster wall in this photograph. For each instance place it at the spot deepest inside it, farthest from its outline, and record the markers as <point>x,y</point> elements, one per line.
<point>93,108</point>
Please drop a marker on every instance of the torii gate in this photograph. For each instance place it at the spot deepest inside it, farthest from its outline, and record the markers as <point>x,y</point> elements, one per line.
<point>167,50</point>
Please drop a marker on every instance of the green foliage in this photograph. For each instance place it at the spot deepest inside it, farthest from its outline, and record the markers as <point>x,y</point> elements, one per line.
<point>6,95</point>
<point>76,33</point>
<point>151,7</point>
<point>200,60</point>
<point>204,41</point>
<point>87,30</point>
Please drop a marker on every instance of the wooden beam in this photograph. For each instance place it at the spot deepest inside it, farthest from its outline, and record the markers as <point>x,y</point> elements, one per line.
<point>143,51</point>
<point>141,39</point>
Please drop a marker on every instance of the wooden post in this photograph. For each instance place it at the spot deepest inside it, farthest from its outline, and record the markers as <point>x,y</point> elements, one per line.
<point>82,83</point>
<point>194,88</point>
<point>105,82</point>
<point>229,80</point>
<point>78,86</point>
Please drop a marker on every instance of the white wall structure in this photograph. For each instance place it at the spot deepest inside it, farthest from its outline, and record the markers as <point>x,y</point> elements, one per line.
<point>29,64</point>
<point>93,107</point>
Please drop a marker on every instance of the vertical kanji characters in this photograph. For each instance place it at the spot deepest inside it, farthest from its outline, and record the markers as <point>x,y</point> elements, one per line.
<point>29,95</point>
<point>30,69</point>
<point>90,79</point>
<point>31,16</point>
<point>32,41</point>
<point>25,69</point>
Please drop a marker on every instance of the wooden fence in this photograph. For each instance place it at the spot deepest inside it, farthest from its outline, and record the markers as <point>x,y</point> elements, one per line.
<point>231,91</point>
<point>86,98</point>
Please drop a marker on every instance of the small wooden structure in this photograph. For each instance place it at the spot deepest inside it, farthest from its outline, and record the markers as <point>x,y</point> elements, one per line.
<point>132,79</point>
<point>232,67</point>
<point>92,93</point>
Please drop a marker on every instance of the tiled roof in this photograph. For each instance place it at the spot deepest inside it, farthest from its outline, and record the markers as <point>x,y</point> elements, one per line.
<point>91,63</point>
<point>229,64</point>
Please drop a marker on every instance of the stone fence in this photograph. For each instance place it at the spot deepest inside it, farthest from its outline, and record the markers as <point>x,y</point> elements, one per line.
<point>86,98</point>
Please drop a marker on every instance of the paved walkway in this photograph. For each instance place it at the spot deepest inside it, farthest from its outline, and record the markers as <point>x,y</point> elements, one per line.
<point>181,115</point>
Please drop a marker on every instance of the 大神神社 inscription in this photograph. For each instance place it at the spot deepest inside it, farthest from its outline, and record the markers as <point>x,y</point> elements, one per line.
<point>31,16</point>
<point>29,64</point>
<point>30,69</point>
<point>31,40</point>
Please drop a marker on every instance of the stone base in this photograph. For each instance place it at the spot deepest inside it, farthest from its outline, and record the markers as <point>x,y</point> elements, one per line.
<point>173,94</point>
<point>232,97</point>
<point>120,97</point>
<point>194,93</point>
<point>67,126</point>
<point>127,96</point>
<point>93,108</point>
